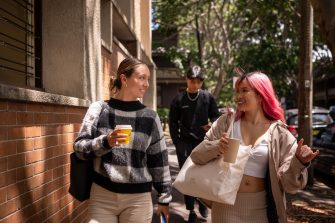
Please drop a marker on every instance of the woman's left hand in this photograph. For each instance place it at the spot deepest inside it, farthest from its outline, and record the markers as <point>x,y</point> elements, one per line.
<point>304,153</point>
<point>164,209</point>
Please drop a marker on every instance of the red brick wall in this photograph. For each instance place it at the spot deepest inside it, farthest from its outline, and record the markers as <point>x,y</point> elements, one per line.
<point>35,143</point>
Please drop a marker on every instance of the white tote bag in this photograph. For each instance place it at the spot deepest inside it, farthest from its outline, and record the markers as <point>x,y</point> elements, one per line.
<point>216,180</point>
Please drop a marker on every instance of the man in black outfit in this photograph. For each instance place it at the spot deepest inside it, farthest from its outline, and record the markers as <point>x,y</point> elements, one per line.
<point>191,113</point>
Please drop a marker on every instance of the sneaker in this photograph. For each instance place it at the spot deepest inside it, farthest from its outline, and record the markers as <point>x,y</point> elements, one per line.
<point>203,210</point>
<point>192,217</point>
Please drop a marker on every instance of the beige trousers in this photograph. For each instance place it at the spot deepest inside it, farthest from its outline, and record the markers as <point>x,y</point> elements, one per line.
<point>248,208</point>
<point>106,206</point>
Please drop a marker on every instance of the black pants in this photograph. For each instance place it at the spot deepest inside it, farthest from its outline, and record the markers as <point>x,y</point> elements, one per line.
<point>183,150</point>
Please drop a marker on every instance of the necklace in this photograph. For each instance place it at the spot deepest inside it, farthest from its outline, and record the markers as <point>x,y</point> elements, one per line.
<point>192,99</point>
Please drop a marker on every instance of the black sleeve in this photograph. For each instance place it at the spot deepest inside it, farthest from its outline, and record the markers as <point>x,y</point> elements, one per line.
<point>213,112</point>
<point>174,118</point>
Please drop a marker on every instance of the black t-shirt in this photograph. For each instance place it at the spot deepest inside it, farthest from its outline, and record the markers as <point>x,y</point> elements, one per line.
<point>188,112</point>
<point>189,108</point>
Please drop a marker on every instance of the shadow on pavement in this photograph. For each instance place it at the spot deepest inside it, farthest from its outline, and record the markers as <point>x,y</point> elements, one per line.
<point>177,203</point>
<point>178,212</point>
<point>325,164</point>
<point>313,204</point>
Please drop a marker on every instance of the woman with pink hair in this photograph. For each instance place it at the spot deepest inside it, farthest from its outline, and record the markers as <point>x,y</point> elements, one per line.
<point>277,162</point>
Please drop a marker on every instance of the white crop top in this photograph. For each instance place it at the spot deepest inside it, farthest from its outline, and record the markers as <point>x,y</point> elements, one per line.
<point>257,164</point>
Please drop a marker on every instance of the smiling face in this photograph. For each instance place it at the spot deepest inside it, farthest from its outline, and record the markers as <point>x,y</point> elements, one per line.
<point>246,97</point>
<point>137,84</point>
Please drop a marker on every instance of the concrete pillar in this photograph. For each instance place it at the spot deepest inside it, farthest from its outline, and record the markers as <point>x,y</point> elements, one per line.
<point>71,43</point>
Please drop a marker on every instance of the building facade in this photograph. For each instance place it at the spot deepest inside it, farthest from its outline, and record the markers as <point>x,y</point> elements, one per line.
<point>170,81</point>
<point>57,57</point>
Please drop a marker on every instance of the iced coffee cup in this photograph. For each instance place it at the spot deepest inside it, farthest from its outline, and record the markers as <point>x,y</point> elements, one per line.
<point>124,129</point>
<point>230,154</point>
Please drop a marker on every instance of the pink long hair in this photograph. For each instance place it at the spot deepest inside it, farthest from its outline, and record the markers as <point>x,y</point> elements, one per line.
<point>262,85</point>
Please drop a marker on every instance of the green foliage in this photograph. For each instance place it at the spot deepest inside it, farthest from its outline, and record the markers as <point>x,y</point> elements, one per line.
<point>227,95</point>
<point>272,46</point>
<point>254,34</point>
<point>281,64</point>
<point>163,114</point>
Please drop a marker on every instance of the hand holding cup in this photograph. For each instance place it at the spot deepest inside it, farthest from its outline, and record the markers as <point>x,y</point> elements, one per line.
<point>223,144</point>
<point>120,135</point>
<point>229,148</point>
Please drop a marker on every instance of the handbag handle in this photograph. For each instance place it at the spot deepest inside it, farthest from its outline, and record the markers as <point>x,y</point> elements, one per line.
<point>231,125</point>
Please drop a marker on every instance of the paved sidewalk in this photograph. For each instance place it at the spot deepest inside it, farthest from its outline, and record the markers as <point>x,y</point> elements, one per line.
<point>178,212</point>
<point>313,204</point>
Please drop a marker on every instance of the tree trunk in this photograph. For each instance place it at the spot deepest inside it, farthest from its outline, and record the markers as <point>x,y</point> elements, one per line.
<point>306,78</point>
<point>199,41</point>
<point>219,83</point>
<point>325,18</point>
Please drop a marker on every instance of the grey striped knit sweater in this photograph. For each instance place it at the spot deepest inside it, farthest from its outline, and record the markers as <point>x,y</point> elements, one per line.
<point>132,168</point>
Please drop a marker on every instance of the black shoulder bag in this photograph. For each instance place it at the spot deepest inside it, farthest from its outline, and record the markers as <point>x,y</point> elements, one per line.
<point>81,176</point>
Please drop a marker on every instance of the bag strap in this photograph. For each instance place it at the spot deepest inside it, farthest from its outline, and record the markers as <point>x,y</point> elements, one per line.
<point>231,125</point>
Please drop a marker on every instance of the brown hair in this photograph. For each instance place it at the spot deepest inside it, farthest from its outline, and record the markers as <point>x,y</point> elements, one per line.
<point>126,67</point>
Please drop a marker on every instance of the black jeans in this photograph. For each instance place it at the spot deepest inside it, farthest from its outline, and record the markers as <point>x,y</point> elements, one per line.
<point>183,149</point>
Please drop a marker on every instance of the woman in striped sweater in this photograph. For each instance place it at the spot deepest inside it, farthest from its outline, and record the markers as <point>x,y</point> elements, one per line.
<point>125,173</point>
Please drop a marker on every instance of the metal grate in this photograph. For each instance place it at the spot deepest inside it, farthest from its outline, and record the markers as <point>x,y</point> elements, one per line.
<point>19,39</point>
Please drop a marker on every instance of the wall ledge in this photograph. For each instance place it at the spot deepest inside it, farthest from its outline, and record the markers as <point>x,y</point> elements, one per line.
<point>29,95</point>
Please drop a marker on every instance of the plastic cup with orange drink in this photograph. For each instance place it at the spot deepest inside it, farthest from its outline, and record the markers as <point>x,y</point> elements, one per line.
<point>124,129</point>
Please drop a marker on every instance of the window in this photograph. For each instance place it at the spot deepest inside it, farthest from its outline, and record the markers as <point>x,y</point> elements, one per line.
<point>20,43</point>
